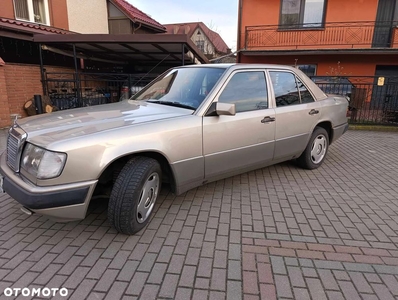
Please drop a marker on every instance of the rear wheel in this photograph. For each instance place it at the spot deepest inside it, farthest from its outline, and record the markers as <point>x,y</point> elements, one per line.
<point>134,194</point>
<point>316,150</point>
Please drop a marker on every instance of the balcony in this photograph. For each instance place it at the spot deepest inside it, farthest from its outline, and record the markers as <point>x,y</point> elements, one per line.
<point>347,35</point>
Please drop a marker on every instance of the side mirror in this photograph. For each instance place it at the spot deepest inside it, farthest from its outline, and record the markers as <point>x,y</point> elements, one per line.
<point>219,109</point>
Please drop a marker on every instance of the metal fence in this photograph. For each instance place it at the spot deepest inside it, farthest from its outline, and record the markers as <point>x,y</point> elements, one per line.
<point>373,100</point>
<point>71,90</point>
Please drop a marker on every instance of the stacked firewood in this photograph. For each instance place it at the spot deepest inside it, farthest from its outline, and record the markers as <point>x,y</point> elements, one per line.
<point>30,107</point>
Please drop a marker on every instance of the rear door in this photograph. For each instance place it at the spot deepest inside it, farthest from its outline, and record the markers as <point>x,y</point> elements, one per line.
<point>233,144</point>
<point>296,113</point>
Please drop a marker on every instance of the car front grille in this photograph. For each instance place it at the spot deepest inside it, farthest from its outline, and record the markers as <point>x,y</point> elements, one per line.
<point>12,152</point>
<point>16,139</point>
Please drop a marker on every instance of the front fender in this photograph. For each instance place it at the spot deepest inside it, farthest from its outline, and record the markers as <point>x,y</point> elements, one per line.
<point>178,140</point>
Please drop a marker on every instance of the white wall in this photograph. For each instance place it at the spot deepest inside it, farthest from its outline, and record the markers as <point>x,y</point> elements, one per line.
<point>88,16</point>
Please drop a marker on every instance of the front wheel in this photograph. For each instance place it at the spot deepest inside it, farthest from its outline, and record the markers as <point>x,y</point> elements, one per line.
<point>134,194</point>
<point>315,152</point>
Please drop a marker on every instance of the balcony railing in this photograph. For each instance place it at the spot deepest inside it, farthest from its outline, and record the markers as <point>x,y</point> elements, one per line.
<point>347,35</point>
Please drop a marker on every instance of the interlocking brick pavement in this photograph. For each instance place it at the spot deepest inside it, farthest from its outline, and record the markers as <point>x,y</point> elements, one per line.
<point>279,232</point>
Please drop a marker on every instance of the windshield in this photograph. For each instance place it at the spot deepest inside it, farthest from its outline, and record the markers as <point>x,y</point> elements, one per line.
<point>185,87</point>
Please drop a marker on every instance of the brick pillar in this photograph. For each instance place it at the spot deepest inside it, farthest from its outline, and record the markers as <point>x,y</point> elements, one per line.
<point>4,105</point>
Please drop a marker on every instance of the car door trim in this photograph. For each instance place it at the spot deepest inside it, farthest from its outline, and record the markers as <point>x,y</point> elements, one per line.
<point>240,148</point>
<point>293,136</point>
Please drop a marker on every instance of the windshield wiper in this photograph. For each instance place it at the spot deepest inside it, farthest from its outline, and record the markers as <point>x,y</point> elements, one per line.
<point>170,103</point>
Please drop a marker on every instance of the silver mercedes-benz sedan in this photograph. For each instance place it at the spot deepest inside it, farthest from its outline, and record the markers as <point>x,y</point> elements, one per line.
<point>190,126</point>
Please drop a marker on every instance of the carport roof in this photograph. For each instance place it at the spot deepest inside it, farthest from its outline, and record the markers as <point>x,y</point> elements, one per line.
<point>128,48</point>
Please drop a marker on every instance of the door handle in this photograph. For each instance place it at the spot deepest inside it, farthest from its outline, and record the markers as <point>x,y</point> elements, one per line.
<point>313,112</point>
<point>268,119</point>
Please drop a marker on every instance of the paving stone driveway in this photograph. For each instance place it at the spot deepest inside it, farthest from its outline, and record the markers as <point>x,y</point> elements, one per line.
<point>279,232</point>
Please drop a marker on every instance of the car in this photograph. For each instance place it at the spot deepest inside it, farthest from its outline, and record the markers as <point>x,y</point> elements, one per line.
<point>190,126</point>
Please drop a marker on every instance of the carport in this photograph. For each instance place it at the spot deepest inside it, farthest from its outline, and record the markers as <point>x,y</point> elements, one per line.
<point>143,55</point>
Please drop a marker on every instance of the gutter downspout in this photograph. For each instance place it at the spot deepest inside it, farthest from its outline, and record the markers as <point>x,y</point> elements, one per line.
<point>183,54</point>
<point>43,79</point>
<point>77,79</point>
<point>240,8</point>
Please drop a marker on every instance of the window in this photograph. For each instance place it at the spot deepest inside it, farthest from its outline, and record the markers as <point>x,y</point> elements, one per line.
<point>184,87</point>
<point>21,10</point>
<point>208,83</point>
<point>201,45</point>
<point>302,13</point>
<point>309,70</point>
<point>247,90</point>
<point>32,11</point>
<point>305,95</point>
<point>289,90</point>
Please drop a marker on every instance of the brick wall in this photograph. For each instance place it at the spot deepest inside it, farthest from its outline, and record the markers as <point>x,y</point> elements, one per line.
<point>4,110</point>
<point>18,85</point>
<point>23,81</point>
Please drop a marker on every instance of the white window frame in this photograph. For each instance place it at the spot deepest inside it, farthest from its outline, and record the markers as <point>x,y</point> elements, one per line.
<point>301,14</point>
<point>201,45</point>
<point>31,12</point>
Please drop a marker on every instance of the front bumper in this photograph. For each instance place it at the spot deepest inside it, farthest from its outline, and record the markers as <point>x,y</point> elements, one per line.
<point>64,202</point>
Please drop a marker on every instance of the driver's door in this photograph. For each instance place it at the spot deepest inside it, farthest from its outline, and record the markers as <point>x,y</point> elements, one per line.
<point>245,141</point>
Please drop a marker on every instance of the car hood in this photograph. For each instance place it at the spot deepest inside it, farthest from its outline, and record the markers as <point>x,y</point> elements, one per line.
<point>61,125</point>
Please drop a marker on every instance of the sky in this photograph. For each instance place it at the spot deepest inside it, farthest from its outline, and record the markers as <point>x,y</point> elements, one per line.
<point>219,15</point>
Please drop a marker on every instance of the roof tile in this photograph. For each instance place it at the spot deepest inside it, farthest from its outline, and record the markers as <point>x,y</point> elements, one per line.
<point>135,14</point>
<point>189,29</point>
<point>30,27</point>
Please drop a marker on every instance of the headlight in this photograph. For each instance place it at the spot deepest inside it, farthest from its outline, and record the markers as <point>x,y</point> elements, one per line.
<point>41,163</point>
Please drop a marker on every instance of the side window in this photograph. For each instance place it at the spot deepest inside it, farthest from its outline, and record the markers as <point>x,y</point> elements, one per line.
<point>305,94</point>
<point>285,88</point>
<point>247,90</point>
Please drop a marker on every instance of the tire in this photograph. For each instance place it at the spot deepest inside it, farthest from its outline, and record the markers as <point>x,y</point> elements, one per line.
<point>134,194</point>
<point>316,150</point>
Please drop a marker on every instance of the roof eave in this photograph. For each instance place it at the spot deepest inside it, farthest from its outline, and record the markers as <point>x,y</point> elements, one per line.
<point>123,38</point>
<point>321,51</point>
<point>151,26</point>
<point>134,19</point>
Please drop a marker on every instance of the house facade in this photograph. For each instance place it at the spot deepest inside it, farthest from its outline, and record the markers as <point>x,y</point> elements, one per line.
<point>89,16</point>
<point>124,18</point>
<point>80,16</point>
<point>207,40</point>
<point>20,74</point>
<point>321,37</point>
<point>46,12</point>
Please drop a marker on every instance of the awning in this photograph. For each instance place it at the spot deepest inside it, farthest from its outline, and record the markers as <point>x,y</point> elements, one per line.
<point>143,49</point>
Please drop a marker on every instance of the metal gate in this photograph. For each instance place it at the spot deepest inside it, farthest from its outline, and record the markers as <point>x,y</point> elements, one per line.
<point>72,90</point>
<point>372,99</point>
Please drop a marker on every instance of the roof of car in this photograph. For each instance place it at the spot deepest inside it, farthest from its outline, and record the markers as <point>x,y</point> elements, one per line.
<point>242,65</point>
